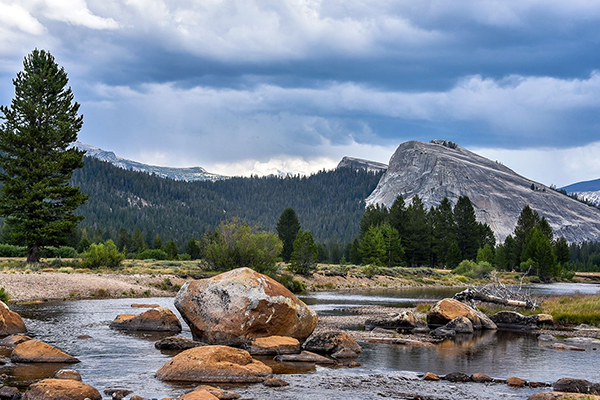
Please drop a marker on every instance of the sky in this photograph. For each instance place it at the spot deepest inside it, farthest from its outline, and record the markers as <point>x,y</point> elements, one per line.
<point>245,87</point>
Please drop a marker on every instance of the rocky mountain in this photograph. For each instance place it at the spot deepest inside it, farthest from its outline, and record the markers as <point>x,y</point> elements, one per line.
<point>588,191</point>
<point>443,169</point>
<point>178,174</point>
<point>359,163</point>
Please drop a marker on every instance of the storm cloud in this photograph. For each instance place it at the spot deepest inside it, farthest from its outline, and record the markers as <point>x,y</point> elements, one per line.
<point>254,86</point>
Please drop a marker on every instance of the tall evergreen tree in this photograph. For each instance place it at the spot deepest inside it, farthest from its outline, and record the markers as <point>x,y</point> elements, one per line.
<point>394,252</point>
<point>467,229</point>
<point>288,227</point>
<point>123,240</point>
<point>397,216</point>
<point>443,229</point>
<point>193,248</point>
<point>374,215</point>
<point>562,251</point>
<point>372,246</point>
<point>304,256</point>
<point>416,245</point>
<point>35,158</point>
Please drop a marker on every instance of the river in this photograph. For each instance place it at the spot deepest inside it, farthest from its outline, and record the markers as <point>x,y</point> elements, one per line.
<point>117,359</point>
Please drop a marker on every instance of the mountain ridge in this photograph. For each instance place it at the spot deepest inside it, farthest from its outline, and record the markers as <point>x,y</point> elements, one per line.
<point>190,174</point>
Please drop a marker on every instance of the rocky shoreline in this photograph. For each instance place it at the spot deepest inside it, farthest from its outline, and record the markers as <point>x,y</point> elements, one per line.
<point>334,383</point>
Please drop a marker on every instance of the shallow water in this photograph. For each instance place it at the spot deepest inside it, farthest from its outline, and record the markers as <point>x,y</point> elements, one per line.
<point>117,359</point>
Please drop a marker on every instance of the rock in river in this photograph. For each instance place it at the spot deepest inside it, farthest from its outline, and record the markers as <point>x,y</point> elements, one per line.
<point>61,389</point>
<point>274,345</point>
<point>573,385</point>
<point>332,342</point>
<point>214,364</point>
<point>159,319</point>
<point>177,343</point>
<point>34,351</point>
<point>10,321</point>
<point>446,310</point>
<point>237,306</point>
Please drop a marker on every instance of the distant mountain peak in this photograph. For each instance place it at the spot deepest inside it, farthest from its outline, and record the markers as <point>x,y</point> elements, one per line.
<point>179,174</point>
<point>443,169</point>
<point>359,163</point>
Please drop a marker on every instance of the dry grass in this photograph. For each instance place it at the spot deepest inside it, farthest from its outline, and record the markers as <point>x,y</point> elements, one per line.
<point>574,310</point>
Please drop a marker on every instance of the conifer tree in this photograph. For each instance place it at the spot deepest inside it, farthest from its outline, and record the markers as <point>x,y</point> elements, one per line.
<point>417,233</point>
<point>304,256</point>
<point>288,227</point>
<point>467,229</point>
<point>443,229</point>
<point>193,248</point>
<point>36,161</point>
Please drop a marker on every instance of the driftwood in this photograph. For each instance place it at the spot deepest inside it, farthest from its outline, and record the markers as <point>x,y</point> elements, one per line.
<point>497,293</point>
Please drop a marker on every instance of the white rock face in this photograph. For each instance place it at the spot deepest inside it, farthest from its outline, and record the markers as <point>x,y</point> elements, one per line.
<point>178,174</point>
<point>437,170</point>
<point>359,163</point>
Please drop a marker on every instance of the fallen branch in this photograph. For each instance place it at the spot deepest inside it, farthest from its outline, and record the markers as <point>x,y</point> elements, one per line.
<point>497,293</point>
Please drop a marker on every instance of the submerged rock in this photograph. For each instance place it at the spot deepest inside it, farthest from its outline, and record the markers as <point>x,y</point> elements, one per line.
<point>34,351</point>
<point>61,389</point>
<point>583,340</point>
<point>515,320</point>
<point>177,343</point>
<point>10,322</point>
<point>159,319</point>
<point>305,356</point>
<point>275,382</point>
<point>214,364</point>
<point>240,305</point>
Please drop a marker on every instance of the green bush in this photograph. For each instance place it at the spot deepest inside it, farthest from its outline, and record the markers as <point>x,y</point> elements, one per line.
<point>291,284</point>
<point>102,255</point>
<point>235,244</point>
<point>152,254</point>
<point>473,270</point>
<point>9,250</point>
<point>4,296</point>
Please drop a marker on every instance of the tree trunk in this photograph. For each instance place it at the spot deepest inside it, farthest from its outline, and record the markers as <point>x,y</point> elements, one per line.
<point>32,255</point>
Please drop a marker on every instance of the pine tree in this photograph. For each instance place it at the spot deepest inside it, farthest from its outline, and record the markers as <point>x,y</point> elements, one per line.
<point>123,239</point>
<point>193,248</point>
<point>35,158</point>
<point>394,252</point>
<point>171,250</point>
<point>416,245</point>
<point>397,217</point>
<point>372,246</point>
<point>444,230</point>
<point>467,229</point>
<point>562,251</point>
<point>304,256</point>
<point>288,227</point>
<point>374,215</point>
<point>157,244</point>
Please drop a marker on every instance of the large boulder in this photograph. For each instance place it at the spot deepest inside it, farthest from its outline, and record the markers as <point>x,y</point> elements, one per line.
<point>240,305</point>
<point>446,310</point>
<point>214,364</point>
<point>61,389</point>
<point>460,325</point>
<point>13,340</point>
<point>333,343</point>
<point>159,319</point>
<point>10,322</point>
<point>34,351</point>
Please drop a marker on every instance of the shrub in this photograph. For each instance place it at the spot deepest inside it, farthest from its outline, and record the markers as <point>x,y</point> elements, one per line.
<point>473,270</point>
<point>291,284</point>
<point>152,254</point>
<point>102,255</point>
<point>304,256</point>
<point>9,250</point>
<point>58,252</point>
<point>4,296</point>
<point>235,244</point>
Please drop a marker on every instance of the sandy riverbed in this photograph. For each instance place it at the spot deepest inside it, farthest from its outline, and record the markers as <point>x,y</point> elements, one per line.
<point>36,286</point>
